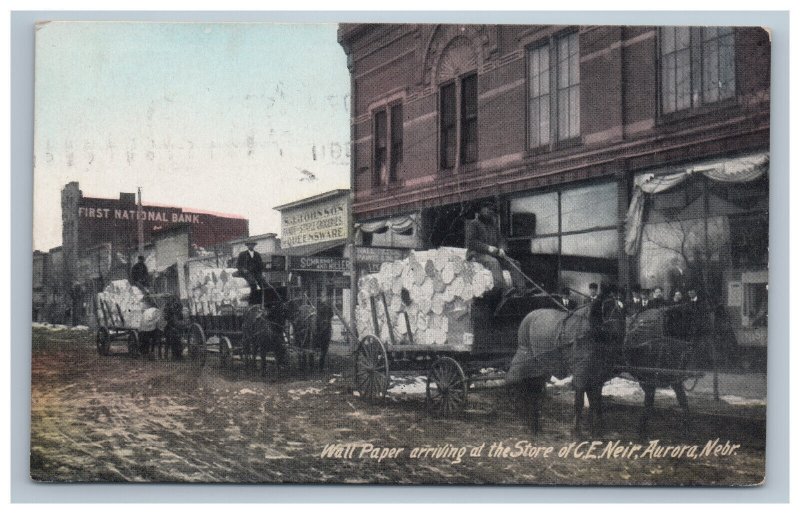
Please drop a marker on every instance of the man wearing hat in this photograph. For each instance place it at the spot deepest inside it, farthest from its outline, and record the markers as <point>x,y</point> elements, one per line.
<point>483,244</point>
<point>251,266</point>
<point>140,277</point>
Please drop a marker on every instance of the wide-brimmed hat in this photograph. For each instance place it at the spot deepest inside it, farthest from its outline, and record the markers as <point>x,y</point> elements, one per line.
<point>488,203</point>
<point>248,243</point>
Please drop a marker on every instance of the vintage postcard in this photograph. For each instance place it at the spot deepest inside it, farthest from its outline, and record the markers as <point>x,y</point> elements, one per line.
<point>400,254</point>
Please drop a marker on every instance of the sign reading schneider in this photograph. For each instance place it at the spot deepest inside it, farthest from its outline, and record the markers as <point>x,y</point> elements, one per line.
<point>315,224</point>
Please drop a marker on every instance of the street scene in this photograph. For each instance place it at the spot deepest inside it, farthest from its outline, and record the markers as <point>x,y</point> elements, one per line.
<point>401,254</point>
<point>117,419</point>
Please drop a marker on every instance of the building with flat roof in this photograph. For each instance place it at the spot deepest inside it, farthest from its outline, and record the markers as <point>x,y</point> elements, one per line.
<point>630,155</point>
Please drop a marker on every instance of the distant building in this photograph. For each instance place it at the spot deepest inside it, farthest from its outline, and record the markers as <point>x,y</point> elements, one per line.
<point>100,243</point>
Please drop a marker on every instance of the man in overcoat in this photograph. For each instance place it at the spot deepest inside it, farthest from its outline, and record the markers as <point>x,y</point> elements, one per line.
<point>251,266</point>
<point>483,246</point>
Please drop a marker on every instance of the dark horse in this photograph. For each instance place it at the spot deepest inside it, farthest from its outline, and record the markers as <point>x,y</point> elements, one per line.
<point>262,333</point>
<point>557,343</point>
<point>659,345</point>
<point>311,327</point>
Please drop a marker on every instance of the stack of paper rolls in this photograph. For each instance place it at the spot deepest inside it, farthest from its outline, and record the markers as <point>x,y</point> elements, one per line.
<point>210,288</point>
<point>439,287</point>
<point>130,300</point>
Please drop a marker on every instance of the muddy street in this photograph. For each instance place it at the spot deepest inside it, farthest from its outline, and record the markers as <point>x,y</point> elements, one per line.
<point>119,419</point>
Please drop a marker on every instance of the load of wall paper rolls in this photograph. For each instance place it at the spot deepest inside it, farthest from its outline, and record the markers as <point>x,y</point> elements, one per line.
<point>135,310</point>
<point>211,288</point>
<point>435,288</point>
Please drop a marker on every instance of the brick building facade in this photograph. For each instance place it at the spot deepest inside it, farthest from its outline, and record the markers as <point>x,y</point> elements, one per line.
<point>563,125</point>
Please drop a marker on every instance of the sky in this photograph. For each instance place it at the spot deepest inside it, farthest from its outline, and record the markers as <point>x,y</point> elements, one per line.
<point>218,117</point>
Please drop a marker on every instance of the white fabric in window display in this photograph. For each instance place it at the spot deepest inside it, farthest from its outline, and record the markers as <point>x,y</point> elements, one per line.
<point>397,225</point>
<point>740,170</point>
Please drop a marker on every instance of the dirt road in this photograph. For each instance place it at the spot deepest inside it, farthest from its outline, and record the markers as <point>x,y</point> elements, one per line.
<point>120,419</point>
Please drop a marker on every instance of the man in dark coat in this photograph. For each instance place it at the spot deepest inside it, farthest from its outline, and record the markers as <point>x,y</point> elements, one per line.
<point>140,277</point>
<point>251,266</point>
<point>657,298</point>
<point>483,246</point>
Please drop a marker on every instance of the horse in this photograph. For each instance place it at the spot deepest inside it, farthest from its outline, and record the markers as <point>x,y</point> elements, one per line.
<point>312,328</point>
<point>557,343</point>
<point>658,347</point>
<point>262,332</point>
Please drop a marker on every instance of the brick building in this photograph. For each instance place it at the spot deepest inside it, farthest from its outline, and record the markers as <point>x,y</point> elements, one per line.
<point>101,237</point>
<point>577,131</point>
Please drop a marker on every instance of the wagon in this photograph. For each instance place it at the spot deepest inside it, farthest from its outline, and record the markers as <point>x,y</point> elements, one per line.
<point>450,368</point>
<point>220,331</point>
<point>113,325</point>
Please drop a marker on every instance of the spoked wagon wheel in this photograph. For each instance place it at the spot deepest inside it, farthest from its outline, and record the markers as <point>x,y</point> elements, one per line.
<point>103,339</point>
<point>225,352</point>
<point>371,368</point>
<point>197,344</point>
<point>446,388</point>
<point>134,347</point>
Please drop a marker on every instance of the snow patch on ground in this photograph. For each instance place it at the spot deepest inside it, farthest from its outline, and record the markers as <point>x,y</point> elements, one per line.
<point>57,327</point>
<point>735,400</point>
<point>408,385</point>
<point>246,391</point>
<point>305,391</point>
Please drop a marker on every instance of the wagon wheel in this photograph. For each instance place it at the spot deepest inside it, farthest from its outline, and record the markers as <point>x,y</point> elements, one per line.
<point>103,339</point>
<point>197,344</point>
<point>225,352</point>
<point>134,347</point>
<point>446,388</point>
<point>371,368</point>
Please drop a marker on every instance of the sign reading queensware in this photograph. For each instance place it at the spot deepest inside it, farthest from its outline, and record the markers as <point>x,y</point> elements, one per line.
<point>313,224</point>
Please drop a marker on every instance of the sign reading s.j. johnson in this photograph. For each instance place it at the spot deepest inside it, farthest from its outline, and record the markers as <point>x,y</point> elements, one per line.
<point>314,224</point>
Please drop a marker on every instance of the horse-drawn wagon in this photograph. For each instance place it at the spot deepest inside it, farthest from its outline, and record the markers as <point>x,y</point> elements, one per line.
<point>126,313</point>
<point>438,313</point>
<point>226,319</point>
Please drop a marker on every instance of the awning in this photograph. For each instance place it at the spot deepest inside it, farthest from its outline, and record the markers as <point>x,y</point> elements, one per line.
<point>312,249</point>
<point>400,224</point>
<point>734,170</point>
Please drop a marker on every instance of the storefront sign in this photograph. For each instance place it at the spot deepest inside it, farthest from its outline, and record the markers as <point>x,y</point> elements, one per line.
<point>369,259</point>
<point>163,215</point>
<point>332,264</point>
<point>313,224</point>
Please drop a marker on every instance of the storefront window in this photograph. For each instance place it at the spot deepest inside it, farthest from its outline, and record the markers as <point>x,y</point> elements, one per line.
<point>577,227</point>
<point>602,244</point>
<point>544,211</point>
<point>589,207</point>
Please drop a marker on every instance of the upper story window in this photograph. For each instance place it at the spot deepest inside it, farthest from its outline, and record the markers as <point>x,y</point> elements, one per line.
<point>554,113</point>
<point>387,126</point>
<point>697,66</point>
<point>458,129</point>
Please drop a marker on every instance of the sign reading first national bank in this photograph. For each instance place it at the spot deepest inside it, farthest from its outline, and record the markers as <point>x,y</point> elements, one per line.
<point>315,223</point>
<point>159,215</point>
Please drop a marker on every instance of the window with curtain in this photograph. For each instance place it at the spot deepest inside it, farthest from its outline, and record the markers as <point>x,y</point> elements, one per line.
<point>447,123</point>
<point>458,122</point>
<point>380,152</point>
<point>388,145</point>
<point>554,112</point>
<point>539,96</point>
<point>469,119</point>
<point>396,158</point>
<point>697,66</point>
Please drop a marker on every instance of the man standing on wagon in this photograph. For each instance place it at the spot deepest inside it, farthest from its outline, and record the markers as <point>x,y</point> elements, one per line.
<point>251,266</point>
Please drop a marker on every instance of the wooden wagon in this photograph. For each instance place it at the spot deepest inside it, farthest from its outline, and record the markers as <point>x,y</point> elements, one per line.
<point>113,325</point>
<point>485,350</point>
